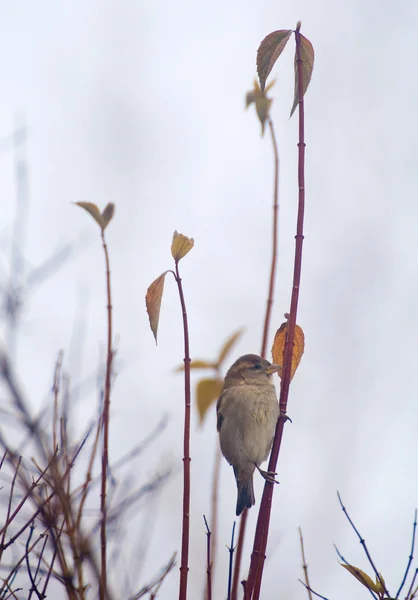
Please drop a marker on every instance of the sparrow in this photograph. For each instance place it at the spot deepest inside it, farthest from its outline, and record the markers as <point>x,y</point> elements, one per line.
<point>247,413</point>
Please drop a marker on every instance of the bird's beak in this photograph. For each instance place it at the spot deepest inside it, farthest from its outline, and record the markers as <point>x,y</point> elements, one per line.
<point>273,369</point>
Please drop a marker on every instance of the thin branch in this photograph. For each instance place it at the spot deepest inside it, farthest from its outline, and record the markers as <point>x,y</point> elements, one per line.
<point>345,562</point>
<point>208,562</point>
<point>410,595</point>
<point>311,590</point>
<point>184,565</point>
<point>158,581</point>
<point>363,543</point>
<point>304,565</point>
<point>411,555</point>
<point>9,507</point>
<point>231,559</point>
<point>105,421</point>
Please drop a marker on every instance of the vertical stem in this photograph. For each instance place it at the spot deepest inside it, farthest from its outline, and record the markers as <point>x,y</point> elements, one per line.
<point>305,566</point>
<point>267,317</point>
<point>252,590</point>
<point>275,237</point>
<point>105,424</point>
<point>209,563</point>
<point>184,566</point>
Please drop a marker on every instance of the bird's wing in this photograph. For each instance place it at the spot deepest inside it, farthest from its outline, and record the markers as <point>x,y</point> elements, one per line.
<point>220,405</point>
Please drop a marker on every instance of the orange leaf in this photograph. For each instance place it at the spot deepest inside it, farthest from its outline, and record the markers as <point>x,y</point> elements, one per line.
<point>153,302</point>
<point>269,51</point>
<point>307,57</point>
<point>207,392</point>
<point>180,246</point>
<point>362,577</point>
<point>279,344</point>
<point>107,214</point>
<point>93,210</point>
<point>227,347</point>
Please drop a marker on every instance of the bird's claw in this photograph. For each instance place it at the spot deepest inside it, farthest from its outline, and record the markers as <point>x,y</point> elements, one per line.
<point>267,475</point>
<point>285,417</point>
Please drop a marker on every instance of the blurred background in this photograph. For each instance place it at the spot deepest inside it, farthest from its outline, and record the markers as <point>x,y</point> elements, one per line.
<point>142,104</point>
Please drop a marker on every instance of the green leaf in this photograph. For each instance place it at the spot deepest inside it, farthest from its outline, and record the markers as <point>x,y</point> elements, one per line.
<point>269,51</point>
<point>362,577</point>
<point>307,56</point>
<point>93,210</point>
<point>207,392</point>
<point>153,302</point>
<point>227,347</point>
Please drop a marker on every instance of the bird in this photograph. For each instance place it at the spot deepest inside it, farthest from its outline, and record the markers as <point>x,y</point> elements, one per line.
<point>247,414</point>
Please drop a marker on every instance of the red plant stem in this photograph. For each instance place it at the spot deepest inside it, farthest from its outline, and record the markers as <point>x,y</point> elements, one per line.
<point>105,422</point>
<point>275,237</point>
<point>252,589</point>
<point>184,565</point>
<point>267,317</point>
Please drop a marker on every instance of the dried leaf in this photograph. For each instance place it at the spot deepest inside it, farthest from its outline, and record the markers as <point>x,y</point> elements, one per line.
<point>262,106</point>
<point>180,246</point>
<point>207,392</point>
<point>279,344</point>
<point>307,57</point>
<point>380,584</point>
<point>227,347</point>
<point>93,210</point>
<point>198,364</point>
<point>362,577</point>
<point>107,214</point>
<point>261,101</point>
<point>153,302</point>
<point>269,51</point>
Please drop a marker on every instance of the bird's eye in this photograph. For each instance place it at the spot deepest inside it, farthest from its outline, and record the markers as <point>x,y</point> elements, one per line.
<point>257,367</point>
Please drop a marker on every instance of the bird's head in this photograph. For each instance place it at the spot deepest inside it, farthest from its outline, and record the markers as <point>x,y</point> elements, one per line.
<point>251,369</point>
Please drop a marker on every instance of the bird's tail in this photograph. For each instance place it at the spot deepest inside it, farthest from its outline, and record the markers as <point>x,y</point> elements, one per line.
<point>245,497</point>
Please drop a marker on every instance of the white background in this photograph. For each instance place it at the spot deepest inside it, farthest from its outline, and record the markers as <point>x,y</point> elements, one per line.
<point>142,104</point>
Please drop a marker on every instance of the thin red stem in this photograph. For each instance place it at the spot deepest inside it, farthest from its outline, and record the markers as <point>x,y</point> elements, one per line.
<point>105,423</point>
<point>253,586</point>
<point>184,566</point>
<point>266,327</point>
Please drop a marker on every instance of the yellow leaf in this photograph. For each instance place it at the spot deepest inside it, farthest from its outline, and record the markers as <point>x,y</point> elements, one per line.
<point>362,577</point>
<point>180,246</point>
<point>207,392</point>
<point>198,364</point>
<point>262,106</point>
<point>107,214</point>
<point>93,210</point>
<point>307,57</point>
<point>279,344</point>
<point>269,51</point>
<point>227,347</point>
<point>380,584</point>
<point>153,302</point>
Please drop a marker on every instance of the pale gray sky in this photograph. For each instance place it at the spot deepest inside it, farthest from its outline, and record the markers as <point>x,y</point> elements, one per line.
<point>142,104</point>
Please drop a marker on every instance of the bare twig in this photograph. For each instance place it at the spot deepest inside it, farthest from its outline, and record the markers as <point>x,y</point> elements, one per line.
<point>311,590</point>
<point>411,555</point>
<point>304,565</point>
<point>184,565</point>
<point>363,543</point>
<point>105,423</point>
<point>231,559</point>
<point>208,562</point>
<point>158,581</point>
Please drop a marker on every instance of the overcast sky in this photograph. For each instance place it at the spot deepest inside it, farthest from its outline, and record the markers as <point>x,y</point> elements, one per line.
<point>142,104</point>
